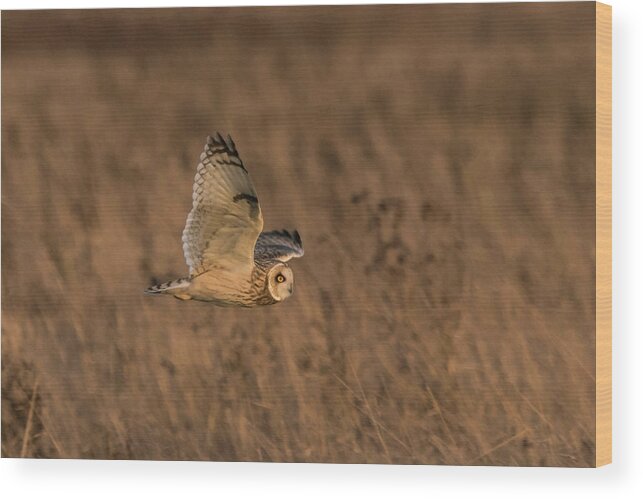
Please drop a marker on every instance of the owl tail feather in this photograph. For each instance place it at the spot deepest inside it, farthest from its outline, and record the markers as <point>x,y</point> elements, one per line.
<point>176,287</point>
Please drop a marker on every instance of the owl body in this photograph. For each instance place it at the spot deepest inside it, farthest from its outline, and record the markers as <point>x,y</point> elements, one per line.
<point>221,289</point>
<point>232,289</point>
<point>232,262</point>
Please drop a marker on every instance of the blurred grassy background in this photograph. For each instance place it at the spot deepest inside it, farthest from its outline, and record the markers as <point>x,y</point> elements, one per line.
<point>439,164</point>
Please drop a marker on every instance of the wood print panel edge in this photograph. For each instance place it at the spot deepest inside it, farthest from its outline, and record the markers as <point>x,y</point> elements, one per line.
<point>603,234</point>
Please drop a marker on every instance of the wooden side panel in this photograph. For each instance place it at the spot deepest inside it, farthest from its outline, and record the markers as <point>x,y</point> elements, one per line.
<point>603,234</point>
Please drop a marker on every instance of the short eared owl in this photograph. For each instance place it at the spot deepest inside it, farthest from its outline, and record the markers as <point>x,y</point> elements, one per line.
<point>232,263</point>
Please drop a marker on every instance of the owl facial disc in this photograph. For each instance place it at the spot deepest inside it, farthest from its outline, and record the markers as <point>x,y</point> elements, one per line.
<point>280,281</point>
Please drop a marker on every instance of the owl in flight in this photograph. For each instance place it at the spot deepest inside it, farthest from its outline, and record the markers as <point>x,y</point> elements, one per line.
<point>232,262</point>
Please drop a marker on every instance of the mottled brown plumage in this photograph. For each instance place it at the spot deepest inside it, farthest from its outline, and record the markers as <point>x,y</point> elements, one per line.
<point>232,263</point>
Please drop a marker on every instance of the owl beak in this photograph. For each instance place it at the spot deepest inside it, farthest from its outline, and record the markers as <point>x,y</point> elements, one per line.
<point>290,289</point>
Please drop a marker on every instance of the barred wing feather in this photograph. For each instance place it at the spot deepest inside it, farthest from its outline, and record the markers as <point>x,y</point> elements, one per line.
<point>226,220</point>
<point>279,245</point>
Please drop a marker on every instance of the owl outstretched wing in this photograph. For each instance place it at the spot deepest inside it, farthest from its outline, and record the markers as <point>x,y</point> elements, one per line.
<point>225,221</point>
<point>279,245</point>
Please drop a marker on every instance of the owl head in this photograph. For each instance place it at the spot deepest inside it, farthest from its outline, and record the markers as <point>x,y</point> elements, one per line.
<point>280,281</point>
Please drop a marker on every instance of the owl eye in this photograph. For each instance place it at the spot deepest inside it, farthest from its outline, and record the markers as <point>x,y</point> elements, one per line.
<point>280,278</point>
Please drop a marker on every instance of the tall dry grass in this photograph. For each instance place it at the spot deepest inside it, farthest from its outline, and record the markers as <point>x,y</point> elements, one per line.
<point>438,162</point>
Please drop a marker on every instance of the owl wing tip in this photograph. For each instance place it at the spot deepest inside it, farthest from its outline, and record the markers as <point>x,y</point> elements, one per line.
<point>216,140</point>
<point>297,238</point>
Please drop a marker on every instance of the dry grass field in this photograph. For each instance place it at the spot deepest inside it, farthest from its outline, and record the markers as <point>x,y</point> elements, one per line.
<point>439,164</point>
